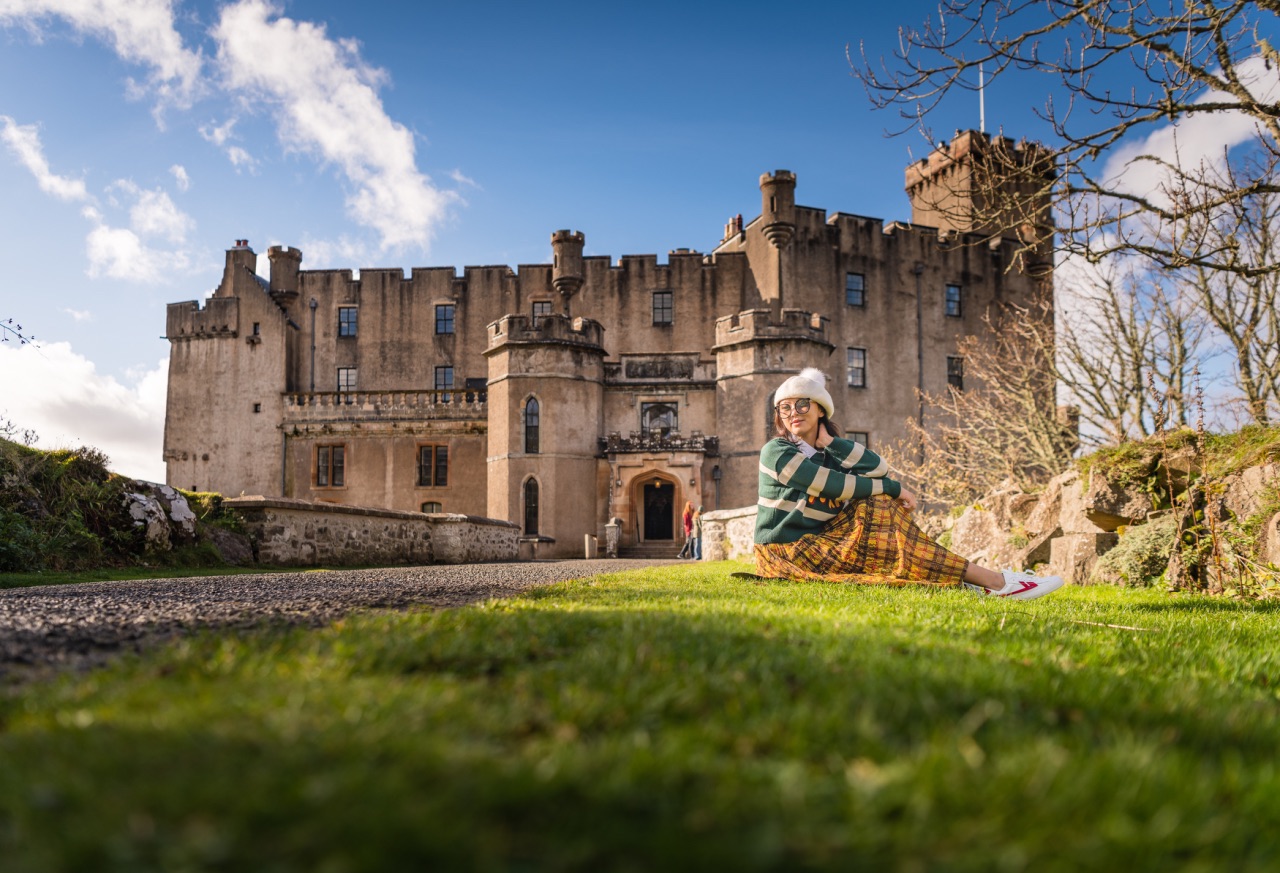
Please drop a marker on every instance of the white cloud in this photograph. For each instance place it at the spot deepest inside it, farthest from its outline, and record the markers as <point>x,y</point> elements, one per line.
<point>24,141</point>
<point>180,176</point>
<point>222,135</point>
<point>1195,141</point>
<point>79,314</point>
<point>155,215</point>
<point>61,396</point>
<point>329,107</point>
<point>140,31</point>
<point>218,134</point>
<point>123,253</point>
<point>118,253</point>
<point>457,176</point>
<point>240,158</point>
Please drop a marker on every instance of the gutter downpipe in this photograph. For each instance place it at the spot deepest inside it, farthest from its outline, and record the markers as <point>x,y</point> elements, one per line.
<point>314,305</point>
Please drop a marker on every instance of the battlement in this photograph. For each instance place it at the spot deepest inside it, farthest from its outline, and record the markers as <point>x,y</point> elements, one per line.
<point>220,316</point>
<point>971,142</point>
<point>557,329</point>
<point>754,325</point>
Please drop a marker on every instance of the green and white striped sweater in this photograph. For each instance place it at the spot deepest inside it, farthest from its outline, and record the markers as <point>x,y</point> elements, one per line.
<point>799,494</point>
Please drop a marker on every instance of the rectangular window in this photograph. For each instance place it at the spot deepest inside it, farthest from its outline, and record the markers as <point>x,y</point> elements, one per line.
<point>346,378</point>
<point>540,308</point>
<point>444,382</point>
<point>330,466</point>
<point>854,289</point>
<point>856,367</point>
<point>953,301</point>
<point>662,307</point>
<point>860,436</point>
<point>347,317</point>
<point>432,506</point>
<point>955,372</point>
<point>433,467</point>
<point>444,318</point>
<point>257,328</point>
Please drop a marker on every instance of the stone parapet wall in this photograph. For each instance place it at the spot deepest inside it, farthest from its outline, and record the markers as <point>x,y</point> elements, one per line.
<point>303,533</point>
<point>728,534</point>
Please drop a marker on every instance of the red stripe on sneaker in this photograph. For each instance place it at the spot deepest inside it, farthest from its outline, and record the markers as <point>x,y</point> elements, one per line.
<point>1027,585</point>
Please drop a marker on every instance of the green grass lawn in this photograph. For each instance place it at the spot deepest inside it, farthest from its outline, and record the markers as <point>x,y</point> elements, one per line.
<point>671,718</point>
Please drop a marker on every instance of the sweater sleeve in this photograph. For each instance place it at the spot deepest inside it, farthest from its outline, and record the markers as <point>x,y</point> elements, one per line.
<point>861,472</point>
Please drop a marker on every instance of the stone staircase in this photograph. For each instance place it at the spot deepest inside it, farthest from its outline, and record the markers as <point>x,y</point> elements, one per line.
<point>651,550</point>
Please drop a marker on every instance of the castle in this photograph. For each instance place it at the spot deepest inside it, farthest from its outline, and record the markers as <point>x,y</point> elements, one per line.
<point>559,396</point>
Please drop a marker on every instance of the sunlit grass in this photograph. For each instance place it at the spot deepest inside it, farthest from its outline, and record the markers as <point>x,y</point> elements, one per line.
<point>671,718</point>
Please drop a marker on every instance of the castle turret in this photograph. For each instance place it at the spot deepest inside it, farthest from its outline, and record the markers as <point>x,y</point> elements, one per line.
<point>778,207</point>
<point>285,262</point>
<point>566,269</point>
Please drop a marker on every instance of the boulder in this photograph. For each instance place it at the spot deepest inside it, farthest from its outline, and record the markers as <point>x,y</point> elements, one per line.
<point>163,514</point>
<point>1110,505</point>
<point>1245,493</point>
<point>1043,516</point>
<point>236,549</point>
<point>1073,516</point>
<point>978,536</point>
<point>1073,555</point>
<point>729,533</point>
<point>1269,542</point>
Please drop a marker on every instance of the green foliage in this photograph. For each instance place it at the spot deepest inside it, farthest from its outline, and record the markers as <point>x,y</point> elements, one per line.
<point>1141,556</point>
<point>670,719</point>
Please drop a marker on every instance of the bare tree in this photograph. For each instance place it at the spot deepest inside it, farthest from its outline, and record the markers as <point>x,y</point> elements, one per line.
<point>1245,307</point>
<point>11,330</point>
<point>1185,63</point>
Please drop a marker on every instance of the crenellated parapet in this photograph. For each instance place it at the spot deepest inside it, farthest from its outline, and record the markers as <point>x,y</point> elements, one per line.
<point>759,325</point>
<point>546,330</point>
<point>219,317</point>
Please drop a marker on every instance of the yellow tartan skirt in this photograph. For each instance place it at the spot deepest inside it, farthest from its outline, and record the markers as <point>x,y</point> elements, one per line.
<point>871,541</point>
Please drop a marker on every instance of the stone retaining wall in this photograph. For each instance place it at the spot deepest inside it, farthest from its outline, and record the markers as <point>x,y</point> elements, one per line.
<point>303,533</point>
<point>729,533</point>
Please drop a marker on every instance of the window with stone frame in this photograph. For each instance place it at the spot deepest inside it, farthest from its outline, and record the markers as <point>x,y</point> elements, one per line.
<point>346,378</point>
<point>662,307</point>
<point>444,318</point>
<point>954,301</point>
<point>855,292</point>
<point>540,308</point>
<point>348,320</point>
<point>658,419</point>
<point>856,368</point>
<point>531,507</point>
<point>532,417</point>
<point>433,466</point>
<point>331,463</point>
<point>955,372</point>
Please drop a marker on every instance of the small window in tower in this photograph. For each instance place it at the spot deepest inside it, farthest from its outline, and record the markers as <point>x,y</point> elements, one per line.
<point>346,378</point>
<point>444,318</point>
<point>855,289</point>
<point>257,328</point>
<point>540,308</point>
<point>347,318</point>
<point>860,436</point>
<point>954,301</point>
<point>531,507</point>
<point>532,418</point>
<point>856,367</point>
<point>257,407</point>
<point>432,506</point>
<point>662,307</point>
<point>955,372</point>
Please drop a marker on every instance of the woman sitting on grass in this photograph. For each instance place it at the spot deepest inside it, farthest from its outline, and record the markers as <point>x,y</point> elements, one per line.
<point>828,513</point>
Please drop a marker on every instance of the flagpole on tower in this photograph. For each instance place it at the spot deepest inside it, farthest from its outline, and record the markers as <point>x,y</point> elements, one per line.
<point>982,102</point>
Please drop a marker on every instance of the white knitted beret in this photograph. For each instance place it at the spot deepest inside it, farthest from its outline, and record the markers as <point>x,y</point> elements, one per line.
<point>810,382</point>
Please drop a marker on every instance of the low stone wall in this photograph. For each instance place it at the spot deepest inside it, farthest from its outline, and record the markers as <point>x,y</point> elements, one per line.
<point>303,533</point>
<point>729,533</point>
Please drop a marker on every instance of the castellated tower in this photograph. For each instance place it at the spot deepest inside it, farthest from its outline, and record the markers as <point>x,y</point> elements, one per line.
<point>755,353</point>
<point>546,402</point>
<point>566,265</point>
<point>988,185</point>
<point>285,262</point>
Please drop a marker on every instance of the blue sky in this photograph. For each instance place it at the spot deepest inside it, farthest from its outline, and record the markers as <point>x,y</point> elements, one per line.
<point>139,139</point>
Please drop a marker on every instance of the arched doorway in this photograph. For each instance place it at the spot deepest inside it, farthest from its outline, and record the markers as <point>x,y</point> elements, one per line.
<point>659,510</point>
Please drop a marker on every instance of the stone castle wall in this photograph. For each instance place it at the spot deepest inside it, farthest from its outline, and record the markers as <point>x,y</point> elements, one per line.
<point>303,533</point>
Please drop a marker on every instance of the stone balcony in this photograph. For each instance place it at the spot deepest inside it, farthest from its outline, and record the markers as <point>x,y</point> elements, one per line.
<point>616,444</point>
<point>327,406</point>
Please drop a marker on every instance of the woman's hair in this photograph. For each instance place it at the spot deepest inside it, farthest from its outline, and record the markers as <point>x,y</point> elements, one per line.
<point>780,429</point>
<point>688,507</point>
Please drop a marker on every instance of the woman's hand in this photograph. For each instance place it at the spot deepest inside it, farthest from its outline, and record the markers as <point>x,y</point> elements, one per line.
<point>908,500</point>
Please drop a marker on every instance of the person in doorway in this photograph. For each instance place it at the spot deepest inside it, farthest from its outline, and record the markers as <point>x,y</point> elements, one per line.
<point>697,534</point>
<point>827,511</point>
<point>686,525</point>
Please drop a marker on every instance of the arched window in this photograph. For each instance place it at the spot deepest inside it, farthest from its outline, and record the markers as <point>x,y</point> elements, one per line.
<point>658,419</point>
<point>531,426</point>
<point>531,507</point>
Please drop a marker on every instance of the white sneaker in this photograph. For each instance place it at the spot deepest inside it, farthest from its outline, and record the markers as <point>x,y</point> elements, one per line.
<point>1021,586</point>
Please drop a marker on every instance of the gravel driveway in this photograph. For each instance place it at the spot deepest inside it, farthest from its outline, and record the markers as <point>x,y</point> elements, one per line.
<point>81,626</point>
